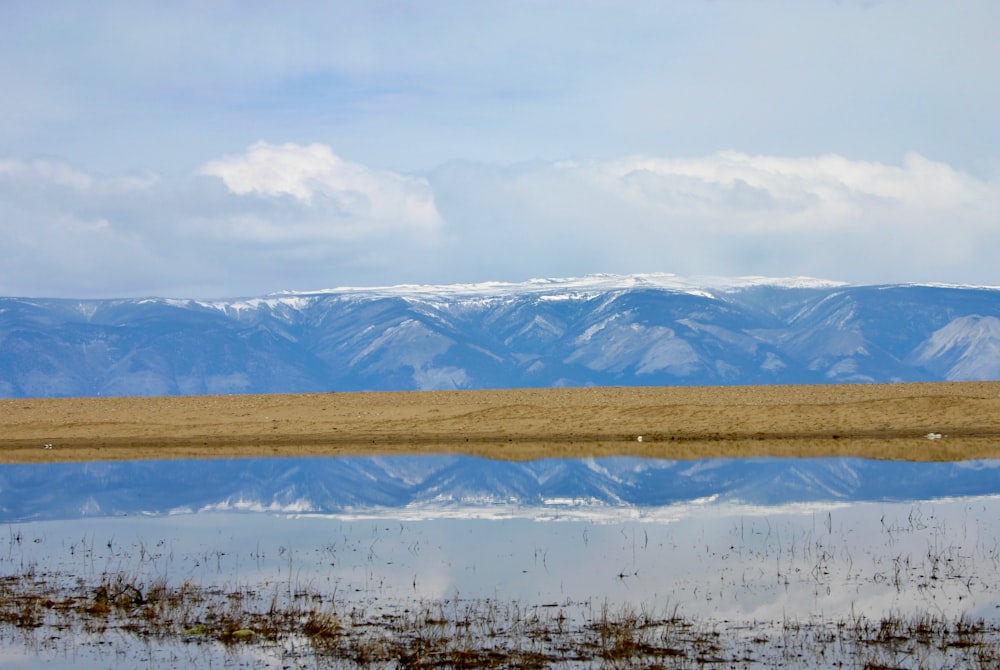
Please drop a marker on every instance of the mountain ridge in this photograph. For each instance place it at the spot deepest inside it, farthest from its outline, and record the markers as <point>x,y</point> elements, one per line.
<point>651,329</point>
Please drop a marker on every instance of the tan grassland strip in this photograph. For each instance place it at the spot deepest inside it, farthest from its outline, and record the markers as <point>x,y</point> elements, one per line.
<point>885,421</point>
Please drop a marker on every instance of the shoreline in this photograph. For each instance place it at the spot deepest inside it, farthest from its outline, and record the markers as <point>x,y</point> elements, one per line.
<point>881,421</point>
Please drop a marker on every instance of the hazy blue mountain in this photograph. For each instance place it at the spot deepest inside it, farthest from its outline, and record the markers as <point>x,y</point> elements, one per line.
<point>467,485</point>
<point>598,330</point>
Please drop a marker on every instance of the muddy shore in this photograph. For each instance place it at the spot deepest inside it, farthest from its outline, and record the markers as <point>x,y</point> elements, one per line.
<point>886,421</point>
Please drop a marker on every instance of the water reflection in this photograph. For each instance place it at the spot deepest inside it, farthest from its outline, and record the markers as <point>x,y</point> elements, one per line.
<point>726,561</point>
<point>341,485</point>
<point>722,541</point>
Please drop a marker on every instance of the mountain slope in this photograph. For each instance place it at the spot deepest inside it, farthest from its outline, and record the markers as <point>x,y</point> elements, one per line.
<point>599,330</point>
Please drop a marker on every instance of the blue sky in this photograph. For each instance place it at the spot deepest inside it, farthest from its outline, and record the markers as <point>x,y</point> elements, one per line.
<point>216,149</point>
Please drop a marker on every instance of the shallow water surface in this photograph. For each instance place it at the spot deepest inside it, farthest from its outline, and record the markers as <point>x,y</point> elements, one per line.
<point>710,558</point>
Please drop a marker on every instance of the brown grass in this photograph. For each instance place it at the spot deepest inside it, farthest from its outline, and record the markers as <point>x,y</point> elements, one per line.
<point>888,421</point>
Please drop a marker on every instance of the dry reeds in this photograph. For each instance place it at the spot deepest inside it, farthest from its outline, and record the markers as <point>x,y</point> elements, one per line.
<point>479,633</point>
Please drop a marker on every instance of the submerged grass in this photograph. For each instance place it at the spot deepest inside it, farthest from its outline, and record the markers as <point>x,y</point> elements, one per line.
<point>474,633</point>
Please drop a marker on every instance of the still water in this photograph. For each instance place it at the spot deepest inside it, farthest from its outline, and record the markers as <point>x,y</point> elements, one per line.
<point>709,558</point>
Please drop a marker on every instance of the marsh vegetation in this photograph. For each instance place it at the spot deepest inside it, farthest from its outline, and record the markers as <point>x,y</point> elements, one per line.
<point>306,628</point>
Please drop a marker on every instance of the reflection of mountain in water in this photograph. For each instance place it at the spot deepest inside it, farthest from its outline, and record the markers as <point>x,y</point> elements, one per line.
<point>336,485</point>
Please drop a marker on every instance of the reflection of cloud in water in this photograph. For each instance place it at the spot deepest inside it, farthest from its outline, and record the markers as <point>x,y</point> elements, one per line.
<point>713,561</point>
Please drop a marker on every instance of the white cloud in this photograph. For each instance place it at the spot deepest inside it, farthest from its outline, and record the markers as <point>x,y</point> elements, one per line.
<point>48,173</point>
<point>55,172</point>
<point>734,213</point>
<point>823,100</point>
<point>340,197</point>
<point>276,217</point>
<point>300,217</point>
<point>772,193</point>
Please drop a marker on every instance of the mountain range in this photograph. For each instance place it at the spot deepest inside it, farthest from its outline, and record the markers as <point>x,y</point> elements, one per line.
<point>654,329</point>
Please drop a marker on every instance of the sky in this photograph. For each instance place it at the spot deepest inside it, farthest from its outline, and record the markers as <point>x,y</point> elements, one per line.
<point>238,148</point>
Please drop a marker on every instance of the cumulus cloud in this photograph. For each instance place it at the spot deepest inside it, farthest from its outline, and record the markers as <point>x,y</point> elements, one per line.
<point>734,213</point>
<point>301,217</point>
<point>737,184</point>
<point>348,192</point>
<point>736,192</point>
<point>276,217</point>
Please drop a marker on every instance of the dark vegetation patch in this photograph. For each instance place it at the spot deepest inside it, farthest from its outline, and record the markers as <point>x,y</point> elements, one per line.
<point>482,633</point>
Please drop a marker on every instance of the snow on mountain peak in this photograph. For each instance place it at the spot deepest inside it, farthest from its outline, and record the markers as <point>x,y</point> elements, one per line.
<point>575,286</point>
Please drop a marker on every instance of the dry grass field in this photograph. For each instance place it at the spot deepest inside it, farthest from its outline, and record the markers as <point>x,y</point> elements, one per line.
<point>885,421</point>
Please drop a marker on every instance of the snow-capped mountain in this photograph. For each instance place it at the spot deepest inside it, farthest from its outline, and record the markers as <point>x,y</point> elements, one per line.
<point>599,330</point>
